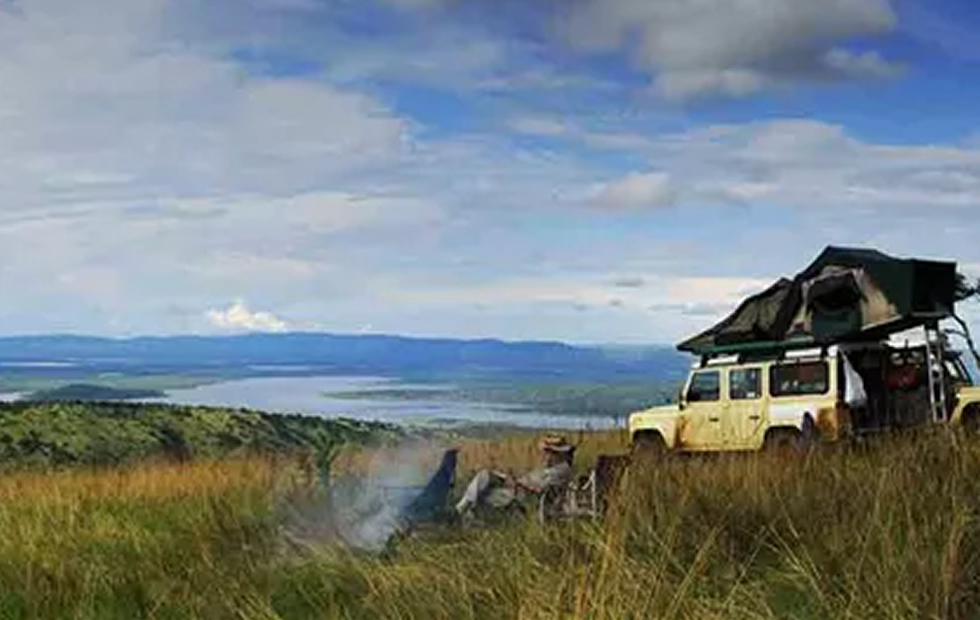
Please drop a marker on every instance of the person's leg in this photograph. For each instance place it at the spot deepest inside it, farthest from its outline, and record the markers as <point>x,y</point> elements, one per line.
<point>475,490</point>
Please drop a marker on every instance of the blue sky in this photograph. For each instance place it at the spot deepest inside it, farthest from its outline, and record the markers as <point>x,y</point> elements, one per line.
<point>582,170</point>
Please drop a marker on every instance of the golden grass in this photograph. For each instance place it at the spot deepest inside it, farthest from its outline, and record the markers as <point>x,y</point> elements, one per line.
<point>147,481</point>
<point>887,532</point>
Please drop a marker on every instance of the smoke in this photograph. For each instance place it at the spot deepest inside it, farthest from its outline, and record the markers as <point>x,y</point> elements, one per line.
<point>364,509</point>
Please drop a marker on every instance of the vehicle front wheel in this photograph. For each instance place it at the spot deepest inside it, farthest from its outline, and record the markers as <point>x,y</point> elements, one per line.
<point>648,447</point>
<point>971,420</point>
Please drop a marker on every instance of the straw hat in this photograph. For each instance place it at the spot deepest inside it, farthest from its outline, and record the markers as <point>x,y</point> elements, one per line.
<point>556,443</point>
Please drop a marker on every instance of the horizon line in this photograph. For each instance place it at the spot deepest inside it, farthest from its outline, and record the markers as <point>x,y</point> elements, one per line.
<point>338,334</point>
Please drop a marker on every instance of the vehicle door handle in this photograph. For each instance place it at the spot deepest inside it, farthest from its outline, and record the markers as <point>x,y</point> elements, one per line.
<point>714,419</point>
<point>754,417</point>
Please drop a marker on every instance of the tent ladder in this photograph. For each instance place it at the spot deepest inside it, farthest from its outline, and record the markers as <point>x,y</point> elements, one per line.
<point>935,368</point>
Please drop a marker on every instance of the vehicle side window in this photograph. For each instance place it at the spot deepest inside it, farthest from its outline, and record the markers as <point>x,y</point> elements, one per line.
<point>745,384</point>
<point>804,378</point>
<point>705,386</point>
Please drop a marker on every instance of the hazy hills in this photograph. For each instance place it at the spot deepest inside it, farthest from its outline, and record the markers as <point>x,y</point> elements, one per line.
<point>318,353</point>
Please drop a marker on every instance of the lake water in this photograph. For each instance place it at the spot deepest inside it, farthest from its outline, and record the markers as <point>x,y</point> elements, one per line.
<point>312,396</point>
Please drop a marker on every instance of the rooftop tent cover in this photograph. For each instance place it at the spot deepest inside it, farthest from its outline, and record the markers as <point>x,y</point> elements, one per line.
<point>845,294</point>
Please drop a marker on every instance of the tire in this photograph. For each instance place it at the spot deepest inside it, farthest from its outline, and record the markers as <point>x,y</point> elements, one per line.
<point>648,446</point>
<point>784,441</point>
<point>971,421</point>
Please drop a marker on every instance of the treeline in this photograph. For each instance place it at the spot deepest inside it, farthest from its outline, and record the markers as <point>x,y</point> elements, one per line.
<point>35,434</point>
<point>93,393</point>
<point>584,399</point>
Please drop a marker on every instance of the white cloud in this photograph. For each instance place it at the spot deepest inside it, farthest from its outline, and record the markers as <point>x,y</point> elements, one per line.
<point>652,189</point>
<point>294,217</point>
<point>708,48</point>
<point>860,65</point>
<point>669,307</point>
<point>537,126</point>
<point>687,84</point>
<point>809,165</point>
<point>238,316</point>
<point>584,291</point>
<point>182,121</point>
<point>158,174</point>
<point>734,47</point>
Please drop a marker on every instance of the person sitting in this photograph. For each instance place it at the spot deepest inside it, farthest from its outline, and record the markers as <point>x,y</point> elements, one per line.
<point>498,490</point>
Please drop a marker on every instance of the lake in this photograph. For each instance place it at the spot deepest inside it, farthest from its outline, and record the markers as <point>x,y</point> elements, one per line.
<point>312,396</point>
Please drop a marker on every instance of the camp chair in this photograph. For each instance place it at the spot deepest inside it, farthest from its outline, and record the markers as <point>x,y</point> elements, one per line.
<point>428,504</point>
<point>585,497</point>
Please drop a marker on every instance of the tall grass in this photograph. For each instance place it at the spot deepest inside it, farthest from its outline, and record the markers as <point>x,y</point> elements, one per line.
<point>887,531</point>
<point>162,541</point>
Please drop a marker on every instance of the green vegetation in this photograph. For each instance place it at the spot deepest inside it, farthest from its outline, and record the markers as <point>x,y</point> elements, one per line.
<point>585,399</point>
<point>63,434</point>
<point>883,532</point>
<point>89,392</point>
<point>30,381</point>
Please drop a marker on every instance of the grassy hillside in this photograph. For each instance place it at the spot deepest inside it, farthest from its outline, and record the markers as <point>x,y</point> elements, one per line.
<point>77,433</point>
<point>886,532</point>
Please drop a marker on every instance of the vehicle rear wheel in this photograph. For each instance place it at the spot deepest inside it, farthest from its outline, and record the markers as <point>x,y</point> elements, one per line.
<point>784,441</point>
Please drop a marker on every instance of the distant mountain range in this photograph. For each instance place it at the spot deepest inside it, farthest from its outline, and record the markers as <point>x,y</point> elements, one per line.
<point>319,353</point>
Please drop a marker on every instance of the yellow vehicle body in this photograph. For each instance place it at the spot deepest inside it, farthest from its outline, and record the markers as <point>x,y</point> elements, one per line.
<point>731,405</point>
<point>967,410</point>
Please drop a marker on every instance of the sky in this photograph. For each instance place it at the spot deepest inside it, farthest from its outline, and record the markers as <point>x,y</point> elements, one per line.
<point>592,171</point>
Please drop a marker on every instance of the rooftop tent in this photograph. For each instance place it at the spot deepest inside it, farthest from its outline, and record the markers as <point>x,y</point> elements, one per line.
<point>760,319</point>
<point>846,294</point>
<point>853,293</point>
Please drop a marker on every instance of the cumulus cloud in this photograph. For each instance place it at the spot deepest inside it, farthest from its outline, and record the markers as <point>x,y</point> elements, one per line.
<point>693,49</point>
<point>192,153</point>
<point>861,65</point>
<point>734,48</point>
<point>805,164</point>
<point>651,189</point>
<point>183,120</point>
<point>238,316</point>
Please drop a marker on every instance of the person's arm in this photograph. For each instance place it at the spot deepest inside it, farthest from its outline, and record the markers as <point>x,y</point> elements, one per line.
<point>525,485</point>
<point>532,481</point>
<point>540,479</point>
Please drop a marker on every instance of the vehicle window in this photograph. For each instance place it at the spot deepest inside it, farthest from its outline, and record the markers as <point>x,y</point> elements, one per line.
<point>745,384</point>
<point>957,371</point>
<point>705,386</point>
<point>799,379</point>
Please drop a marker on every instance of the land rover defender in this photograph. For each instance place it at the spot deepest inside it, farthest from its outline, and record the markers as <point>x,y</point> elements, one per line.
<point>773,399</point>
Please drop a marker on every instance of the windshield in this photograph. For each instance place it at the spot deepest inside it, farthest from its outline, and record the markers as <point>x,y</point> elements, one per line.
<point>957,370</point>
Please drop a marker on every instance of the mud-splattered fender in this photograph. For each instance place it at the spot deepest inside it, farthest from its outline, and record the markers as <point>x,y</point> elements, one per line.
<point>661,420</point>
<point>792,414</point>
<point>968,398</point>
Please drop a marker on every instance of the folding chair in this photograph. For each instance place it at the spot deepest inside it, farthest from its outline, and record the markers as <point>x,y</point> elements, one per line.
<point>585,497</point>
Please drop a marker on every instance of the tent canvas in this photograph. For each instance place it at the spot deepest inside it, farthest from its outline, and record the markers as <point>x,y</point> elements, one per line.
<point>845,294</point>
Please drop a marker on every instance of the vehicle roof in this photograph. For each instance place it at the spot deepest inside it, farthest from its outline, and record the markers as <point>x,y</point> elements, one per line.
<point>810,354</point>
